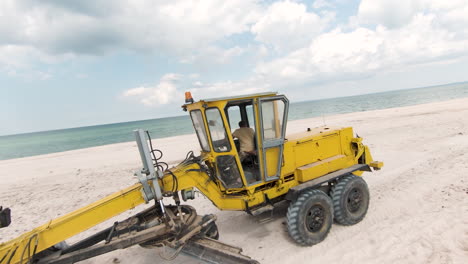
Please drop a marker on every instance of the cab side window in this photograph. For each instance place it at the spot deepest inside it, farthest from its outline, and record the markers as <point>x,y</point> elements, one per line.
<point>272,117</point>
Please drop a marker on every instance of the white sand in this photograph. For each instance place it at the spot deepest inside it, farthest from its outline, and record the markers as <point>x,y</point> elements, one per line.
<point>419,201</point>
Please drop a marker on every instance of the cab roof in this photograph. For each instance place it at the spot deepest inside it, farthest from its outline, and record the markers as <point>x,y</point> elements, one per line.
<point>239,97</point>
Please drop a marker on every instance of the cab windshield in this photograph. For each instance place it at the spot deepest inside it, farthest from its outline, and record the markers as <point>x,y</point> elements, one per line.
<point>217,130</point>
<point>197,121</point>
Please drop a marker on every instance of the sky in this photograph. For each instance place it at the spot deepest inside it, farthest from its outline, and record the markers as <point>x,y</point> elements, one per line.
<point>66,63</point>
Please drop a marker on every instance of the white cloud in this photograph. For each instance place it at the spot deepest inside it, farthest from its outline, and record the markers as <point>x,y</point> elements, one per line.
<point>293,45</point>
<point>136,91</point>
<point>213,55</point>
<point>20,61</point>
<point>229,88</point>
<point>177,28</point>
<point>170,89</point>
<point>395,14</point>
<point>162,93</point>
<point>318,4</point>
<point>338,55</point>
<point>21,57</point>
<point>287,25</point>
<point>194,76</point>
<point>19,53</point>
<point>391,14</point>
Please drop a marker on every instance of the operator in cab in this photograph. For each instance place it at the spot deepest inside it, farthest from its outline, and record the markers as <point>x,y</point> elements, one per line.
<point>246,136</point>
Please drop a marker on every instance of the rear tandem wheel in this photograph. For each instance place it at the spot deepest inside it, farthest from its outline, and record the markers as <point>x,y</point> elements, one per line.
<point>310,217</point>
<point>350,200</point>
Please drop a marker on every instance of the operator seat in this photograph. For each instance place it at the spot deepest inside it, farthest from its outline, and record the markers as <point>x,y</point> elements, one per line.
<point>251,160</point>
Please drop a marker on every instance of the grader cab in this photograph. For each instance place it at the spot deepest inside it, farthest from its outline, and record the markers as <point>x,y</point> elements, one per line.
<point>317,171</point>
<point>266,114</point>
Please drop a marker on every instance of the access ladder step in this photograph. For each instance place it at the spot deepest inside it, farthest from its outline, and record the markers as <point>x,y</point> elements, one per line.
<point>261,210</point>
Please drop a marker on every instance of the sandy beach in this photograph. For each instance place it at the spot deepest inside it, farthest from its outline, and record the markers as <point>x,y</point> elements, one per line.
<point>419,200</point>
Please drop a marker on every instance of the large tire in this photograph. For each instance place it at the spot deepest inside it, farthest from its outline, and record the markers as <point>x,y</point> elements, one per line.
<point>310,218</point>
<point>350,198</point>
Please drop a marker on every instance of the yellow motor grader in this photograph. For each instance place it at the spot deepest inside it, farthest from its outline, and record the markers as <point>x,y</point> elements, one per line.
<point>317,171</point>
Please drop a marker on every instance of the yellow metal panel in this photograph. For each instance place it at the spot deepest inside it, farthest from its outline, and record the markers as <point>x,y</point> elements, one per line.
<point>346,137</point>
<point>318,144</point>
<point>376,165</point>
<point>320,168</point>
<point>329,146</point>
<point>368,157</point>
<point>189,176</point>
<point>289,161</point>
<point>313,134</point>
<point>272,158</point>
<point>305,153</point>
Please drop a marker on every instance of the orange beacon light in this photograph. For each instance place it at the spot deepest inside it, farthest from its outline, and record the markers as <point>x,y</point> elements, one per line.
<point>188,97</point>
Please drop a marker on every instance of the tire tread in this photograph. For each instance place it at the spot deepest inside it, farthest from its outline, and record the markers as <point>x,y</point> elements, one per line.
<point>293,214</point>
<point>336,193</point>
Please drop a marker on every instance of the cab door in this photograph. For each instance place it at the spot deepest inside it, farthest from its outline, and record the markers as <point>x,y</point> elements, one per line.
<point>273,118</point>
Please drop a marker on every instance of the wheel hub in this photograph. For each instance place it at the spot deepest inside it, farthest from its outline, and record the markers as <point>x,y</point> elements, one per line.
<point>315,218</point>
<point>354,200</point>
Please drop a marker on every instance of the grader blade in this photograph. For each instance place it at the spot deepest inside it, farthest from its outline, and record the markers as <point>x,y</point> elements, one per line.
<point>188,234</point>
<point>213,251</point>
<point>206,249</point>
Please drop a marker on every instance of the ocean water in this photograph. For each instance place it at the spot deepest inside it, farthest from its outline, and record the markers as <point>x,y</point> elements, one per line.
<point>37,143</point>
